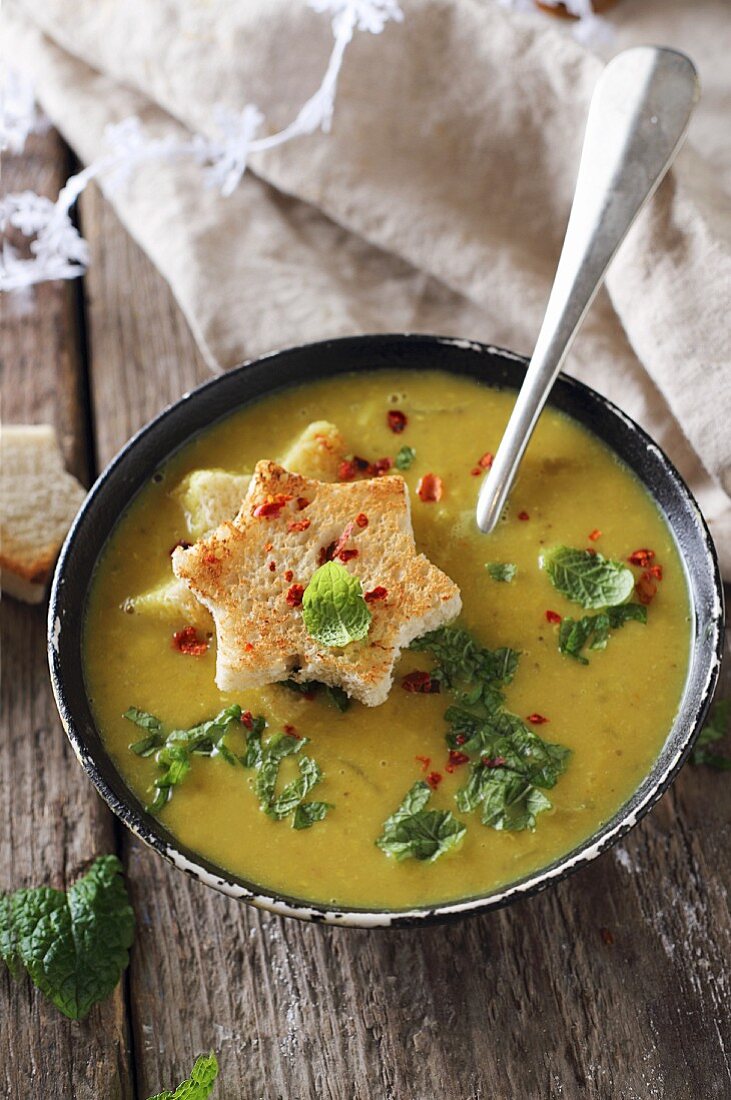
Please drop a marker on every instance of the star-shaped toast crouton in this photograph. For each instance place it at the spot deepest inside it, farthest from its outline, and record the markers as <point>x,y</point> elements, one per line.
<point>251,573</point>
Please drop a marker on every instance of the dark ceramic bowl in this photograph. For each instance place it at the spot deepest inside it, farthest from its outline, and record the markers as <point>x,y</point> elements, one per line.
<point>151,447</point>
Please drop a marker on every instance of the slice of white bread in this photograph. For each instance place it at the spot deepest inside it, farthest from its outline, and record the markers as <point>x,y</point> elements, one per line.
<point>209,497</point>
<point>244,572</point>
<point>38,501</point>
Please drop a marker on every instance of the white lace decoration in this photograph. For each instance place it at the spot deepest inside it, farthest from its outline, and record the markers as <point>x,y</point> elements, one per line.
<point>57,249</point>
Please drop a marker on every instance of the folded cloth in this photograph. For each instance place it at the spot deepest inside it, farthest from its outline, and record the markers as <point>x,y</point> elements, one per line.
<point>438,201</point>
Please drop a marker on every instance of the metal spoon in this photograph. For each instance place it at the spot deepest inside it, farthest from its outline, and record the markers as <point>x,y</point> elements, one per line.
<point>638,117</point>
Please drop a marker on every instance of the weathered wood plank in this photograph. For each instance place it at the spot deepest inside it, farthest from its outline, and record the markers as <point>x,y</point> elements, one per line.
<point>530,1002</point>
<point>51,822</point>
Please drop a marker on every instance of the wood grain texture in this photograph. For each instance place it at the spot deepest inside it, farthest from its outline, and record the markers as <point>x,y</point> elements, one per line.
<point>51,822</point>
<point>613,986</point>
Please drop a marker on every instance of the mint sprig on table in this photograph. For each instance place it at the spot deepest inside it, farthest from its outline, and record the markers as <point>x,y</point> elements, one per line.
<point>74,944</point>
<point>510,765</point>
<point>417,832</point>
<point>593,630</point>
<point>588,578</point>
<point>714,731</point>
<point>334,610</point>
<point>200,1083</point>
<point>174,752</point>
<point>501,570</point>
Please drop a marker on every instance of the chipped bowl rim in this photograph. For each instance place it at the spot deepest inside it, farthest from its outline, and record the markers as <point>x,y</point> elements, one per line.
<point>224,394</point>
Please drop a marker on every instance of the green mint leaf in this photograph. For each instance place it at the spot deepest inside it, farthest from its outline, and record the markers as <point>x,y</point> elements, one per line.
<point>307,813</point>
<point>294,792</point>
<point>473,673</point>
<point>200,1083</point>
<point>588,578</point>
<point>501,570</point>
<point>173,751</point>
<point>334,695</point>
<point>405,458</point>
<point>337,697</point>
<point>74,945</point>
<point>714,730</point>
<point>333,608</point>
<point>593,630</point>
<point>509,801</point>
<point>416,832</point>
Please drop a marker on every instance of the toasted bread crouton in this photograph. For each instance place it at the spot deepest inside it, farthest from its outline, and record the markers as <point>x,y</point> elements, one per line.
<point>317,452</point>
<point>209,497</point>
<point>171,600</point>
<point>250,573</point>
<point>38,501</point>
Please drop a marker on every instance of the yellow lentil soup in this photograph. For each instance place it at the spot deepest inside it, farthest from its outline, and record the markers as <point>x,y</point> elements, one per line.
<point>613,713</point>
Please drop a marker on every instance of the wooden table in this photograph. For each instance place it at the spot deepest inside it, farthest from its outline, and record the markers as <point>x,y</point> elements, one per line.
<point>613,985</point>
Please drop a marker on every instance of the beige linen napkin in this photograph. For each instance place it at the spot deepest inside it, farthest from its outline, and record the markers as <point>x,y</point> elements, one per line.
<point>437,203</point>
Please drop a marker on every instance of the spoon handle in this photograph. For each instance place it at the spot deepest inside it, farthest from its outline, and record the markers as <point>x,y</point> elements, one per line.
<point>638,116</point>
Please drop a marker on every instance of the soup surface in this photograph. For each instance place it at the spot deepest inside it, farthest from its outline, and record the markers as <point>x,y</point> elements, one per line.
<point>613,713</point>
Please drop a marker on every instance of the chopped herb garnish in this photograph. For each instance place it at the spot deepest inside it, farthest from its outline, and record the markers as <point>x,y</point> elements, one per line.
<point>334,695</point>
<point>333,609</point>
<point>173,751</point>
<point>200,1083</point>
<point>593,630</point>
<point>501,570</point>
<point>417,832</point>
<point>714,730</point>
<point>75,943</point>
<point>405,458</point>
<point>587,577</point>
<point>511,764</point>
<point>291,797</point>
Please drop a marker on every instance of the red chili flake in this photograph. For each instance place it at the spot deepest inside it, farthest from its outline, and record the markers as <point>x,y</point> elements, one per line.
<point>595,534</point>
<point>476,471</point>
<point>272,566</point>
<point>425,761</point>
<point>302,502</point>
<point>642,558</point>
<point>295,594</point>
<point>288,574</point>
<point>537,719</point>
<point>460,738</point>
<point>291,731</point>
<point>606,936</point>
<point>348,555</point>
<point>420,682</point>
<point>381,466</point>
<point>268,546</point>
<point>523,515</point>
<point>180,543</point>
<point>377,593</point>
<point>494,761</point>
<point>189,641</point>
<point>247,719</point>
<point>211,559</point>
<point>326,553</point>
<point>361,519</point>
<point>397,420</point>
<point>348,469</point>
<point>272,506</point>
<point>553,617</point>
<point>455,760</point>
<point>486,461</point>
<point>434,779</point>
<point>656,572</point>
<point>591,550</point>
<point>299,524</point>
<point>646,588</point>
<point>248,647</point>
<point>430,488</point>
